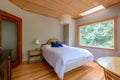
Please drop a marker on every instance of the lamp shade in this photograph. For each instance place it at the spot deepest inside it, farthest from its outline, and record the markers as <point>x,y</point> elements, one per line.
<point>37,42</point>
<point>65,19</point>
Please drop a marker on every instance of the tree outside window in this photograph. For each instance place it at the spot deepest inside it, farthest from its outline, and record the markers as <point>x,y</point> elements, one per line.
<point>101,34</point>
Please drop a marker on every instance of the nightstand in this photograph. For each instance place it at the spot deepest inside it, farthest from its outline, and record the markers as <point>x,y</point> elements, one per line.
<point>34,55</point>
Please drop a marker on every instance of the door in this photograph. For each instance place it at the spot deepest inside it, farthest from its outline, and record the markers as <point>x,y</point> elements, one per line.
<point>11,36</point>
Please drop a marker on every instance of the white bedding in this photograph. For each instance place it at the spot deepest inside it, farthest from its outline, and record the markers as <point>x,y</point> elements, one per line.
<point>58,58</point>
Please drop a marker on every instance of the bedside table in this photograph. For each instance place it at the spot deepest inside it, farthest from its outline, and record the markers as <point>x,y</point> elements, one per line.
<point>34,56</point>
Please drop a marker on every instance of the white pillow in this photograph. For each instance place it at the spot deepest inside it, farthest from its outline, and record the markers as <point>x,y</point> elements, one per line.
<point>46,47</point>
<point>64,45</point>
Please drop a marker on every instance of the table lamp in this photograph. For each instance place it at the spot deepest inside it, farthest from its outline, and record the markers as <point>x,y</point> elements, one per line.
<point>37,42</point>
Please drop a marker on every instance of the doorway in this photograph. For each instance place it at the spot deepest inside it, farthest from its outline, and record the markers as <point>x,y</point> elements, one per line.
<point>11,36</point>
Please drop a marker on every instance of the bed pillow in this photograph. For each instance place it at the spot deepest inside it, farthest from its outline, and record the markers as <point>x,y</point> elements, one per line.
<point>59,44</point>
<point>54,44</point>
<point>64,45</point>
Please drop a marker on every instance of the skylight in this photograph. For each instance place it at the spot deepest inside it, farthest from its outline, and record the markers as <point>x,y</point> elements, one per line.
<point>100,7</point>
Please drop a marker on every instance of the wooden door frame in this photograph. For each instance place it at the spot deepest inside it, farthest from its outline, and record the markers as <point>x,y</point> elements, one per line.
<point>0,33</point>
<point>10,17</point>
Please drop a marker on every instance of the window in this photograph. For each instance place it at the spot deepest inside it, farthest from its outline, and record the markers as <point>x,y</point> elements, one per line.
<point>95,9</point>
<point>100,34</point>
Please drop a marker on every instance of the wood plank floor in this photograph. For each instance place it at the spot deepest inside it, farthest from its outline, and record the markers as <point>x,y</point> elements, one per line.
<point>42,71</point>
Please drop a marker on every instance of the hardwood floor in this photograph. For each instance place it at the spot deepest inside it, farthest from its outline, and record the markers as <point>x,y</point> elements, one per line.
<point>42,71</point>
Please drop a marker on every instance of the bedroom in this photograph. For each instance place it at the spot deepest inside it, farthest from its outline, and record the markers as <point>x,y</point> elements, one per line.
<point>45,28</point>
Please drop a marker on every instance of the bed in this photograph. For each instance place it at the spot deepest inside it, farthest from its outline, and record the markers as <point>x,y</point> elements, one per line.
<point>64,58</point>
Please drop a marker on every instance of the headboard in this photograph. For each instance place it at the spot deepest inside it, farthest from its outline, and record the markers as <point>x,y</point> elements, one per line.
<point>49,41</point>
<point>52,40</point>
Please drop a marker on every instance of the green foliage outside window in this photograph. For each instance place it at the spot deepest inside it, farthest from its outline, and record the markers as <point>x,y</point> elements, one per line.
<point>99,34</point>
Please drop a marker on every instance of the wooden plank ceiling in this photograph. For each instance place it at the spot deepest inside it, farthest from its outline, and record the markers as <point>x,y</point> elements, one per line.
<point>56,8</point>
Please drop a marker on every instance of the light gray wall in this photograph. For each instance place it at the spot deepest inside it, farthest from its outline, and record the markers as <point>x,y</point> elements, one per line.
<point>66,34</point>
<point>72,29</point>
<point>107,13</point>
<point>69,33</point>
<point>34,27</point>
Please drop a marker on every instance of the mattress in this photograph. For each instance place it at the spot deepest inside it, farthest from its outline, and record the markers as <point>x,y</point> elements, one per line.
<point>61,58</point>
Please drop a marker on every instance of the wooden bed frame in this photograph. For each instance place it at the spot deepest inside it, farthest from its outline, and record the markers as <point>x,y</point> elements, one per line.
<point>49,42</point>
<point>71,65</point>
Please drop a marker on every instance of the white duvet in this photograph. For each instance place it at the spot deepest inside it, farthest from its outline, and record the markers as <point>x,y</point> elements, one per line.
<point>59,57</point>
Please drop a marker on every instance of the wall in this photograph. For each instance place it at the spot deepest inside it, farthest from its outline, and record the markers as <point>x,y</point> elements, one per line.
<point>34,26</point>
<point>66,34</point>
<point>72,33</point>
<point>107,13</point>
<point>69,33</point>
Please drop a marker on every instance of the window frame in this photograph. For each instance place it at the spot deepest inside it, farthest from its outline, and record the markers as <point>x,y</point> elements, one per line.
<point>115,18</point>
